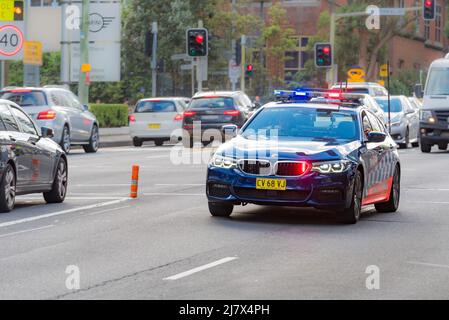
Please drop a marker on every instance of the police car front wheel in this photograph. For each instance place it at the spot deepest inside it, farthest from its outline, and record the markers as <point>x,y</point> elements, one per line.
<point>220,209</point>
<point>352,214</point>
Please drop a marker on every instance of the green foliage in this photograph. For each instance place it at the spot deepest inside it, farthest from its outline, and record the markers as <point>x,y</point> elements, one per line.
<point>50,70</point>
<point>110,115</point>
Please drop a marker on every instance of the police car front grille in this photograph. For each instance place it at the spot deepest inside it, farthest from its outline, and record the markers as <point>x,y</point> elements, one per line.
<point>255,167</point>
<point>288,195</point>
<point>442,116</point>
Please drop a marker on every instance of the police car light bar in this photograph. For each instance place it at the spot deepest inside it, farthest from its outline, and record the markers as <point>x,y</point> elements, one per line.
<point>303,94</point>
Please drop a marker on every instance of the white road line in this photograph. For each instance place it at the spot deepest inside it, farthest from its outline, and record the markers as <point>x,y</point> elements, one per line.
<point>102,185</point>
<point>199,269</point>
<point>25,231</point>
<point>429,202</point>
<point>180,184</point>
<point>426,189</point>
<point>428,264</point>
<point>106,197</point>
<point>58,213</point>
<point>107,210</point>
<point>174,194</point>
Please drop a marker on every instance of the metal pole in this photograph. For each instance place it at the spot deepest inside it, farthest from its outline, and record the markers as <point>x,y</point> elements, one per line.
<point>233,41</point>
<point>65,47</point>
<point>154,30</point>
<point>242,81</point>
<point>2,83</point>
<point>332,40</point>
<point>389,104</point>
<point>83,87</point>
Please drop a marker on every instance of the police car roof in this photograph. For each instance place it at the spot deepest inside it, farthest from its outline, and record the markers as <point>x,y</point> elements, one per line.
<point>313,105</point>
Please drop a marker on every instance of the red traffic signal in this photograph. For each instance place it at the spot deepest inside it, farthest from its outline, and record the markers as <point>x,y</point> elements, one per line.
<point>429,9</point>
<point>199,39</point>
<point>197,42</point>
<point>249,70</point>
<point>323,55</point>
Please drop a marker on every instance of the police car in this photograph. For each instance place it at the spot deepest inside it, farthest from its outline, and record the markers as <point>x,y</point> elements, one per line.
<point>334,154</point>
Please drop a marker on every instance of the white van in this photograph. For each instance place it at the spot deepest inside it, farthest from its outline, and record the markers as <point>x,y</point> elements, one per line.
<point>434,116</point>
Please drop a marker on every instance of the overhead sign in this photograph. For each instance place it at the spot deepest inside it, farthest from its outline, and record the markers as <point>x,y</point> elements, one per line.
<point>11,42</point>
<point>6,10</point>
<point>104,40</point>
<point>32,53</point>
<point>104,21</point>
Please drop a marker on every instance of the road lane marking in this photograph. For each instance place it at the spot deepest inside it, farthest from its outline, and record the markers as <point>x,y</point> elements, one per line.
<point>58,213</point>
<point>425,264</point>
<point>102,185</point>
<point>107,210</point>
<point>105,197</point>
<point>180,184</point>
<point>174,194</point>
<point>429,202</point>
<point>25,231</point>
<point>201,268</point>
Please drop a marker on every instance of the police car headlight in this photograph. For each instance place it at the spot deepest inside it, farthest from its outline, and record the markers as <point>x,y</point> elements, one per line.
<point>223,162</point>
<point>331,167</point>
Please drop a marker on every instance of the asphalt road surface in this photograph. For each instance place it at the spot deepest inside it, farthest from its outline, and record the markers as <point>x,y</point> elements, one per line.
<point>165,245</point>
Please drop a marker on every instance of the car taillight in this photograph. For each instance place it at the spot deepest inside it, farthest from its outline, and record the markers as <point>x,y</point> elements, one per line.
<point>46,115</point>
<point>132,118</point>
<point>178,117</point>
<point>189,114</point>
<point>233,113</point>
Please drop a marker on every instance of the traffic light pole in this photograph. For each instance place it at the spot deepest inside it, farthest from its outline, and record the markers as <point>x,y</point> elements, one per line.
<point>83,86</point>
<point>154,30</point>
<point>243,64</point>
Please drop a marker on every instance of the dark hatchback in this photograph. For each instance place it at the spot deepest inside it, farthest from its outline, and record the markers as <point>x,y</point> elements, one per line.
<point>211,111</point>
<point>30,161</point>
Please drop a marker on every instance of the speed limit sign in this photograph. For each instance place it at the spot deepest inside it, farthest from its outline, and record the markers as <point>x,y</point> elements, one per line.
<point>11,42</point>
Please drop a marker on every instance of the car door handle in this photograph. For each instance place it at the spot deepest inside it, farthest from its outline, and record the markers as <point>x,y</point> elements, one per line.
<point>12,139</point>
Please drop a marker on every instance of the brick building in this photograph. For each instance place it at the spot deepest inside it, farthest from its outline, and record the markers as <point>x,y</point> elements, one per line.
<point>415,50</point>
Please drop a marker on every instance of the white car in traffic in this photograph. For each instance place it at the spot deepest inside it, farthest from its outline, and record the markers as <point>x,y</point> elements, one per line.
<point>158,120</point>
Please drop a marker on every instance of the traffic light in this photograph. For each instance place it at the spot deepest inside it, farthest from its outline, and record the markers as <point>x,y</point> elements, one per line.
<point>429,9</point>
<point>18,10</point>
<point>238,53</point>
<point>197,42</point>
<point>249,70</point>
<point>323,55</point>
<point>148,44</point>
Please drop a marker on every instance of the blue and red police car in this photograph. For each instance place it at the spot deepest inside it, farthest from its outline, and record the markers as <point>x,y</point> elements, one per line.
<point>328,153</point>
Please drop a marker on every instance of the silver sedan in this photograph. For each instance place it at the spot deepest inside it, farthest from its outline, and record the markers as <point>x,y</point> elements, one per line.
<point>404,120</point>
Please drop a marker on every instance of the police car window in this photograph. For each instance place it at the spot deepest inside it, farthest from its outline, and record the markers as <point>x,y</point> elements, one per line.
<point>296,123</point>
<point>25,123</point>
<point>367,128</point>
<point>8,119</point>
<point>374,123</point>
<point>155,106</point>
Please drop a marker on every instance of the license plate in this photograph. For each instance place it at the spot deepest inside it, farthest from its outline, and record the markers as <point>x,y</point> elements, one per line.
<point>271,184</point>
<point>154,126</point>
<point>209,117</point>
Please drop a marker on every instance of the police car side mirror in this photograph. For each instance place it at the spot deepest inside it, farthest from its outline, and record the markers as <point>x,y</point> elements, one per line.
<point>230,131</point>
<point>376,137</point>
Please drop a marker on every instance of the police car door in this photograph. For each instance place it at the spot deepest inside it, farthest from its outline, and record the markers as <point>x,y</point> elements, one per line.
<point>381,177</point>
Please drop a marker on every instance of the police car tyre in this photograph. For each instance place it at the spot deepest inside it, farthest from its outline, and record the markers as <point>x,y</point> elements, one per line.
<point>393,204</point>
<point>137,142</point>
<point>220,209</point>
<point>426,148</point>
<point>352,214</point>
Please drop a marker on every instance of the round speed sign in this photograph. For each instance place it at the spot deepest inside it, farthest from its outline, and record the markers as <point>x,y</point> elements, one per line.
<point>11,40</point>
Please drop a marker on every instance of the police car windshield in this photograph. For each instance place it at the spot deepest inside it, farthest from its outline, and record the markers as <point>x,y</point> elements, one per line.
<point>299,123</point>
<point>395,104</point>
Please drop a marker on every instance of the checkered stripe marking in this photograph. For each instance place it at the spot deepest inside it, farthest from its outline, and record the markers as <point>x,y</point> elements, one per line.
<point>384,170</point>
